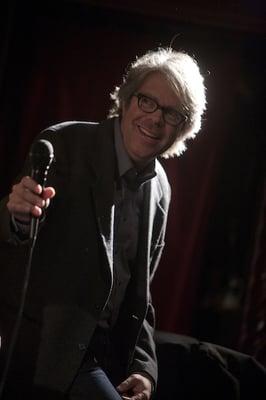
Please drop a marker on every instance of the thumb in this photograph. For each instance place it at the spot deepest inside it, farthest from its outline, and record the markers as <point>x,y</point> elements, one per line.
<point>48,193</point>
<point>125,385</point>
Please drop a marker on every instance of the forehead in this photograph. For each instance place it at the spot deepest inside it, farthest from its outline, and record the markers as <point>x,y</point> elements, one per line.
<point>158,87</point>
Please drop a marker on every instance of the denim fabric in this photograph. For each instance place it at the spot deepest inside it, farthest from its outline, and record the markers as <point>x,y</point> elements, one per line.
<point>92,383</point>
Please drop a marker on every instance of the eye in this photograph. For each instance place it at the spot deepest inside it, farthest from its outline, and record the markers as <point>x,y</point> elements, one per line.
<point>173,116</point>
<point>172,113</point>
<point>148,102</point>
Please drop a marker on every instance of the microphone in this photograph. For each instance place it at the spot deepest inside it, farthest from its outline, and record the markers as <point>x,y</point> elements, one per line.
<point>41,156</point>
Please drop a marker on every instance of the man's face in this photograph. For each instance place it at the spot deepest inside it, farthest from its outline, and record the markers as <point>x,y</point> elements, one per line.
<point>146,135</point>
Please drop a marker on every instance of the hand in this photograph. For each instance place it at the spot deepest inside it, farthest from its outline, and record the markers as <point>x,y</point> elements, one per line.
<point>135,387</point>
<point>28,198</point>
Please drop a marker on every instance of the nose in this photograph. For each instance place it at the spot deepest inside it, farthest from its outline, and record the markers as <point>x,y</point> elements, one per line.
<point>157,117</point>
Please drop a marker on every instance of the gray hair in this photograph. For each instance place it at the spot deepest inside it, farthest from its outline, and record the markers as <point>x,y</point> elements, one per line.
<point>183,74</point>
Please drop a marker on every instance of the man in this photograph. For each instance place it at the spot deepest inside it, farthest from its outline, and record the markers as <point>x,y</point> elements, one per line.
<point>102,226</point>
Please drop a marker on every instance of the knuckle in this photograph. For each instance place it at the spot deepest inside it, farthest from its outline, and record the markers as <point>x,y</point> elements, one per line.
<point>9,206</point>
<point>15,189</point>
<point>24,180</point>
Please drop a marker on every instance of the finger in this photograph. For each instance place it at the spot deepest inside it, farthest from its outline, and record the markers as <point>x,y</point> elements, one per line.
<point>22,199</point>
<point>24,192</point>
<point>126,385</point>
<point>33,199</point>
<point>22,211</point>
<point>25,199</point>
<point>20,194</point>
<point>28,183</point>
<point>48,193</point>
<point>36,211</point>
<point>140,396</point>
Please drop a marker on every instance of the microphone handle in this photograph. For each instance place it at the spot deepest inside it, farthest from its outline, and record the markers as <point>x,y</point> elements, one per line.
<point>34,226</point>
<point>39,175</point>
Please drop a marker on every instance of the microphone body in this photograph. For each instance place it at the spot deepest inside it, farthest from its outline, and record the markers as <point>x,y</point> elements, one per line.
<point>41,157</point>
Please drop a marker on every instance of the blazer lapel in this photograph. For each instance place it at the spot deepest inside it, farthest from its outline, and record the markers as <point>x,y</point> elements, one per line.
<point>152,196</point>
<point>103,189</point>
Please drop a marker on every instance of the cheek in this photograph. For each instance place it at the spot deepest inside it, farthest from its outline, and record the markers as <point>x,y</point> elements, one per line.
<point>129,115</point>
<point>171,135</point>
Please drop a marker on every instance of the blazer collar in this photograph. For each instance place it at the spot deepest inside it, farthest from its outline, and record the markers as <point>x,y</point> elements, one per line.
<point>104,164</point>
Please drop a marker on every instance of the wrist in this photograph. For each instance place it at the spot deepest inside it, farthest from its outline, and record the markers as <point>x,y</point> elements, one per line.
<point>20,222</point>
<point>149,377</point>
<point>19,226</point>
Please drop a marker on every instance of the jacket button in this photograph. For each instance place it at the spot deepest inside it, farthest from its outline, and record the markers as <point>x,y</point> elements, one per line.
<point>82,346</point>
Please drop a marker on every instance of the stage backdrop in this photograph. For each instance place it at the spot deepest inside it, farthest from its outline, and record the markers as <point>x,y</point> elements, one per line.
<point>60,61</point>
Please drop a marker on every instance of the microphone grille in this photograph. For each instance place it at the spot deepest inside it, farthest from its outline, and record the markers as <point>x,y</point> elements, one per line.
<point>41,153</point>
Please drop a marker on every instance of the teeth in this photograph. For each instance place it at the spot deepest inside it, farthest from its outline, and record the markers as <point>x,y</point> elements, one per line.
<point>147,133</point>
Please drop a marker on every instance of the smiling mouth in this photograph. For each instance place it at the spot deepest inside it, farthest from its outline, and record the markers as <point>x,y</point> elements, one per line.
<point>147,133</point>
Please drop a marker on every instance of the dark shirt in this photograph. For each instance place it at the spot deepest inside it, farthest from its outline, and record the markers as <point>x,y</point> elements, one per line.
<point>128,201</point>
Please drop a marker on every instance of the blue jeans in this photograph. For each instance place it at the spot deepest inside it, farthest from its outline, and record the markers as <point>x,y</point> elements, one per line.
<point>99,366</point>
<point>92,383</point>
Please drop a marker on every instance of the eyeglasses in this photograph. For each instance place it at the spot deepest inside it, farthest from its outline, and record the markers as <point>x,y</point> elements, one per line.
<point>170,115</point>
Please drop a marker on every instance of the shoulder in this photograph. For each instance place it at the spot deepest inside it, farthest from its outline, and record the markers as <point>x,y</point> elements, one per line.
<point>77,143</point>
<point>71,127</point>
<point>76,127</point>
<point>77,134</point>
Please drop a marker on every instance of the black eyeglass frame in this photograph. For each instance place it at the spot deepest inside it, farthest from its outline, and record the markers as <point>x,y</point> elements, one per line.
<point>157,106</point>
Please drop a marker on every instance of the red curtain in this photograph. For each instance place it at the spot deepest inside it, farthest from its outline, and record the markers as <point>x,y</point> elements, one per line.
<point>60,62</point>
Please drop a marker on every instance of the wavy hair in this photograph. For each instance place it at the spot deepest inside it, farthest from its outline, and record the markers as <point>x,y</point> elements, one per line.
<point>183,74</point>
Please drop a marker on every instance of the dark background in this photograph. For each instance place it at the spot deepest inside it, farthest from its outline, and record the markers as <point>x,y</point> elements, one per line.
<point>61,59</point>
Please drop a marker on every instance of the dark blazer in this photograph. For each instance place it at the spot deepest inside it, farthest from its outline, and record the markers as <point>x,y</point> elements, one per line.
<point>72,268</point>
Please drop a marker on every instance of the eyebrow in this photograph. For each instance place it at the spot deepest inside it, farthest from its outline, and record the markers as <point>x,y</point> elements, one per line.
<point>158,102</point>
